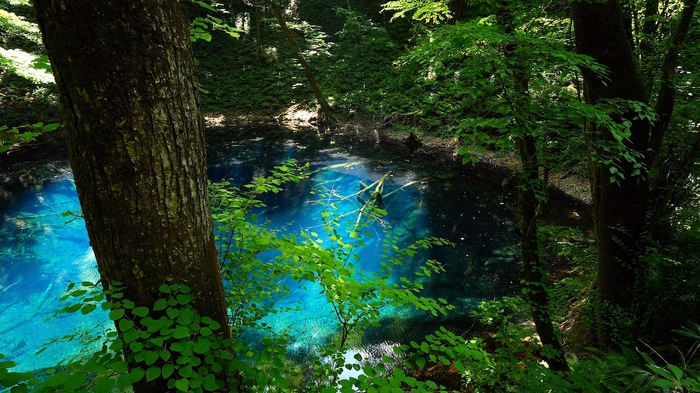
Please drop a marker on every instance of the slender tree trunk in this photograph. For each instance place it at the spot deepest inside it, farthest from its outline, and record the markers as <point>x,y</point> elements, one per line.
<point>325,108</point>
<point>666,99</point>
<point>125,74</point>
<point>665,103</point>
<point>534,273</point>
<point>619,207</point>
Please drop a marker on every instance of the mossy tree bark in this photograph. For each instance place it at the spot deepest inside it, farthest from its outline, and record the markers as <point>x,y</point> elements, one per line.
<point>619,207</point>
<point>131,113</point>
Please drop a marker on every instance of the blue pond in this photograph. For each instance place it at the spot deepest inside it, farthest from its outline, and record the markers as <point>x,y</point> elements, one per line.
<point>41,250</point>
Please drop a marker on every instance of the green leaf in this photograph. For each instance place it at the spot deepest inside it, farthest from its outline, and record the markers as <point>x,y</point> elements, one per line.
<point>150,357</point>
<point>87,309</point>
<point>73,308</point>
<point>51,127</point>
<point>160,304</point>
<point>152,373</point>
<point>172,312</point>
<point>140,311</point>
<point>116,314</point>
<point>105,385</point>
<point>125,325</point>
<point>214,325</point>
<point>185,372</point>
<point>202,347</point>
<point>184,298</point>
<point>167,370</point>
<point>131,335</point>
<point>116,345</point>
<point>205,5</point>
<point>136,374</point>
<point>261,379</point>
<point>663,383</point>
<point>182,384</point>
<point>181,332</point>
<point>119,366</point>
<point>677,372</point>
<point>74,381</point>
<point>123,381</point>
<point>136,346</point>
<point>210,383</point>
<point>56,379</point>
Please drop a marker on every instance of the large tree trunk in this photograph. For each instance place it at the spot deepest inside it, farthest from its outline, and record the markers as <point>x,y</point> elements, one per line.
<point>619,207</point>
<point>131,113</point>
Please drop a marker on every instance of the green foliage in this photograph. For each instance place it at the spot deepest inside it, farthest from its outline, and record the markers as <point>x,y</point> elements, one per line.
<point>431,11</point>
<point>356,297</point>
<point>16,382</point>
<point>26,85</point>
<point>451,80</point>
<point>169,341</point>
<point>24,133</point>
<point>200,26</point>
<point>577,250</point>
<point>17,30</point>
<point>670,282</point>
<point>268,70</point>
<point>242,238</point>
<point>507,362</point>
<point>258,71</point>
<point>652,377</point>
<point>611,153</point>
<point>361,63</point>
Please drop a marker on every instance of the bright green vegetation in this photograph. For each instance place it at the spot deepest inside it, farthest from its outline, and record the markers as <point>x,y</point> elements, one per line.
<point>513,77</point>
<point>28,93</point>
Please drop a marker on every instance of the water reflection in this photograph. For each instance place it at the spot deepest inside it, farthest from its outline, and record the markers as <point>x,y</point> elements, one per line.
<point>40,253</point>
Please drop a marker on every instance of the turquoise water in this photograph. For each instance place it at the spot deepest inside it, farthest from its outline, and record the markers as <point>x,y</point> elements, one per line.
<point>41,252</point>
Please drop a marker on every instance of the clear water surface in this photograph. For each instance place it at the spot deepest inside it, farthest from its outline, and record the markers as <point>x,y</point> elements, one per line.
<point>40,251</point>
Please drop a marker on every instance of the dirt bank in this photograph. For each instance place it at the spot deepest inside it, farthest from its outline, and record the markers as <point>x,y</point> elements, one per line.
<point>413,149</point>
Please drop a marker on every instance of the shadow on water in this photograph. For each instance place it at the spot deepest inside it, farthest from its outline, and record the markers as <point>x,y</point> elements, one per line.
<point>40,252</point>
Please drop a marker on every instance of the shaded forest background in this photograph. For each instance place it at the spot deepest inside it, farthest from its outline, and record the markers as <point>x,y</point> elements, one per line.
<point>492,77</point>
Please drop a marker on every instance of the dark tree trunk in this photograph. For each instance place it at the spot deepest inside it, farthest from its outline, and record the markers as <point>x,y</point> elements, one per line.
<point>131,113</point>
<point>619,207</point>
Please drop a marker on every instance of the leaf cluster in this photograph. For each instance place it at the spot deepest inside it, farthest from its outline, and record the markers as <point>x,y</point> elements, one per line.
<point>24,133</point>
